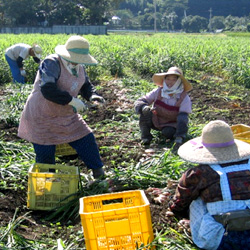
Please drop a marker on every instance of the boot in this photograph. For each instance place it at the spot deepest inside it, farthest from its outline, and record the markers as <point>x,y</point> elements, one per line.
<point>146,141</point>
<point>145,123</point>
<point>98,173</point>
<point>178,142</point>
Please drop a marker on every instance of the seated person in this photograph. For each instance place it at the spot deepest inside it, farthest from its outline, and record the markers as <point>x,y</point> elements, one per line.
<point>170,109</point>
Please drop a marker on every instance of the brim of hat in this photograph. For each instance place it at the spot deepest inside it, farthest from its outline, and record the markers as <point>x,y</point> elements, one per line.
<point>193,151</point>
<point>159,77</point>
<point>37,55</point>
<point>74,57</point>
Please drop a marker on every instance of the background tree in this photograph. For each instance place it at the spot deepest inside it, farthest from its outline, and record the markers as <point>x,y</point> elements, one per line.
<point>170,14</point>
<point>126,17</point>
<point>248,27</point>
<point>241,24</point>
<point>98,11</point>
<point>230,22</point>
<point>175,11</point>
<point>64,12</point>
<point>168,21</point>
<point>135,6</point>
<point>219,7</point>
<point>20,12</point>
<point>194,24</point>
<point>217,22</point>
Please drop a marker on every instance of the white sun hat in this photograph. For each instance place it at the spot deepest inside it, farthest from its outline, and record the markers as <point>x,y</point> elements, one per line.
<point>37,50</point>
<point>76,50</point>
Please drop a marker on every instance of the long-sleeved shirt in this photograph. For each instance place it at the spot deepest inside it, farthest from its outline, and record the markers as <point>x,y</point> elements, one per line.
<point>50,72</point>
<point>149,98</point>
<point>202,181</point>
<point>19,52</point>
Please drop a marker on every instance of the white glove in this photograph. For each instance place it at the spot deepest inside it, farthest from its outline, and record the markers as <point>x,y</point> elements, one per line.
<point>78,105</point>
<point>23,72</point>
<point>146,110</point>
<point>97,98</point>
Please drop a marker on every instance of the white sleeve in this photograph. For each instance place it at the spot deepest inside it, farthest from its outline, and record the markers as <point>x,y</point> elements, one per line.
<point>24,53</point>
<point>152,95</point>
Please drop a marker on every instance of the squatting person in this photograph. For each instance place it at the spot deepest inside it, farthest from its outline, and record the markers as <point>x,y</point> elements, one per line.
<point>165,108</point>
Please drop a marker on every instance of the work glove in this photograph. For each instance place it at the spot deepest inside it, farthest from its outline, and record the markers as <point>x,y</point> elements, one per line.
<point>78,105</point>
<point>23,72</point>
<point>96,98</point>
<point>146,110</point>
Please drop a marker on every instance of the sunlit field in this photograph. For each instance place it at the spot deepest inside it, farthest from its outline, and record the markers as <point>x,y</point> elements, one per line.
<point>217,65</point>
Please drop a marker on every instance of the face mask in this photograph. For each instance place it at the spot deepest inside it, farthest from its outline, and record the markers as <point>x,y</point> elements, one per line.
<point>72,69</point>
<point>175,89</point>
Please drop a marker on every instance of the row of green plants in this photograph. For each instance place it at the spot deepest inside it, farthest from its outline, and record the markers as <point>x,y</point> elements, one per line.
<point>122,54</point>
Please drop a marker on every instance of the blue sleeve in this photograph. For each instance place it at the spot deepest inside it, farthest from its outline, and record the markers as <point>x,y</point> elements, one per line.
<point>50,71</point>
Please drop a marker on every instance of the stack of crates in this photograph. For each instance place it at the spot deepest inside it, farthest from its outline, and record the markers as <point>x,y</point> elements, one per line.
<point>64,150</point>
<point>50,186</point>
<point>241,132</point>
<point>115,221</point>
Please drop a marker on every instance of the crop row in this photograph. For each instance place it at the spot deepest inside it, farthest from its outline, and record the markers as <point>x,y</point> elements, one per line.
<point>144,54</point>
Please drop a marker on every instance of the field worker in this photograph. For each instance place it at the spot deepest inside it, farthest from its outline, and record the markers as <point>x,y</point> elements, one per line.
<point>16,54</point>
<point>51,114</point>
<point>170,108</point>
<point>216,192</point>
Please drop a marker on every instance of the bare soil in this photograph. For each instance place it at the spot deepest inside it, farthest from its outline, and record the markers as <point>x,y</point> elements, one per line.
<point>211,102</point>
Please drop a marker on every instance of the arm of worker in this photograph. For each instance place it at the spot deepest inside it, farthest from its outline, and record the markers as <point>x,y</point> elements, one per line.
<point>145,101</point>
<point>50,72</point>
<point>20,66</point>
<point>88,91</point>
<point>19,62</point>
<point>36,59</point>
<point>193,183</point>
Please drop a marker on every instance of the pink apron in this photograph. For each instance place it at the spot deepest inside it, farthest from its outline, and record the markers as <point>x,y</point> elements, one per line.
<point>47,123</point>
<point>164,114</point>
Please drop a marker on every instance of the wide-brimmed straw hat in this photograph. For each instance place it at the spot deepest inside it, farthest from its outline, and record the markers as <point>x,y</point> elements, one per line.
<point>76,50</point>
<point>215,146</point>
<point>159,77</point>
<point>37,50</point>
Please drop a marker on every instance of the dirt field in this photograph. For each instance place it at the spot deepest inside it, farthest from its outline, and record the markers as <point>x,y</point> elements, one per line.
<point>211,102</point>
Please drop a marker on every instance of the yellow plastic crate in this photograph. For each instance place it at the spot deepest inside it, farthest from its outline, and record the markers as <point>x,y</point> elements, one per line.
<point>64,150</point>
<point>116,221</point>
<point>241,132</point>
<point>49,185</point>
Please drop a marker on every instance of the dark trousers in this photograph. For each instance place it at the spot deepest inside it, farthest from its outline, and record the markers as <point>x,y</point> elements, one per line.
<point>146,124</point>
<point>235,240</point>
<point>85,147</point>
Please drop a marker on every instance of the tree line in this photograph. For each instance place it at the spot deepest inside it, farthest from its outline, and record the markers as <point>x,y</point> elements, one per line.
<point>185,15</point>
<point>170,15</point>
<point>55,12</point>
